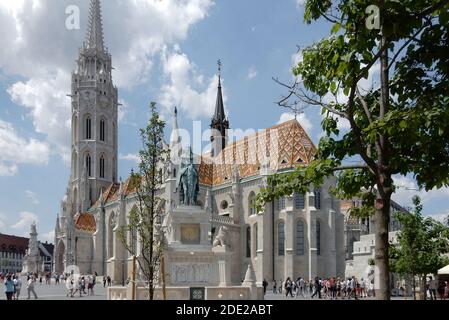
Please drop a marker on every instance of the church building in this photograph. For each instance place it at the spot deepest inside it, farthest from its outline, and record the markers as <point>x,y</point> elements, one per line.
<point>301,235</point>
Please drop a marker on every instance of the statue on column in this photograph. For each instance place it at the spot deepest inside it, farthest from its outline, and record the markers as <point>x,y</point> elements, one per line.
<point>188,183</point>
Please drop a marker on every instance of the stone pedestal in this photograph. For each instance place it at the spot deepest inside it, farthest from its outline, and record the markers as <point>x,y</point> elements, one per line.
<point>223,255</point>
<point>189,258</point>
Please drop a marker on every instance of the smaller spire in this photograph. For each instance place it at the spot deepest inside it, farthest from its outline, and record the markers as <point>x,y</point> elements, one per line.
<point>219,115</point>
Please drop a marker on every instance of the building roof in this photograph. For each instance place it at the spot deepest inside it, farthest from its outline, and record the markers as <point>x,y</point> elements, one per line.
<point>85,222</point>
<point>287,145</point>
<point>13,244</point>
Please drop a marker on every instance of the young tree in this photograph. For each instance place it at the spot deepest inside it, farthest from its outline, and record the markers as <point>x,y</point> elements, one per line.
<point>145,219</point>
<point>400,126</point>
<point>422,244</point>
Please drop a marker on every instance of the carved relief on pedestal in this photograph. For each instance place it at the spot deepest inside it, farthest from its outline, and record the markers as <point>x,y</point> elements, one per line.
<point>191,273</point>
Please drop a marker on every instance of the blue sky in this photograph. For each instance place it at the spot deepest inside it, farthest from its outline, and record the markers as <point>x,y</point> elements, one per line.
<point>164,51</point>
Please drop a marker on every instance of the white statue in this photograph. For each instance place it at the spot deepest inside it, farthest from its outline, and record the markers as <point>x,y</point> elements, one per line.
<point>221,240</point>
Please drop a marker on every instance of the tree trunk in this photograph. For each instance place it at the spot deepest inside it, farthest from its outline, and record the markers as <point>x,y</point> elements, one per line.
<point>382,219</point>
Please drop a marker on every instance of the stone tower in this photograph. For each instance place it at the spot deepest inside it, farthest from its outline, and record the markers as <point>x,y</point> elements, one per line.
<point>219,123</point>
<point>94,118</point>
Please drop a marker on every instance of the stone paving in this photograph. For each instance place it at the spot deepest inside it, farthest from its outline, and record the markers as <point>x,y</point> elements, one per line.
<point>55,292</point>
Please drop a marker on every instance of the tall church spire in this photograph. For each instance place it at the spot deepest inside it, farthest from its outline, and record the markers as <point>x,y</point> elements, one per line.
<point>219,114</point>
<point>94,37</point>
<point>219,123</point>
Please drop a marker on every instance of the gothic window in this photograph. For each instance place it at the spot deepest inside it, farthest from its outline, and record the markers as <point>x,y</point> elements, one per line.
<point>281,239</point>
<point>300,247</point>
<point>102,167</point>
<point>318,238</point>
<point>102,130</point>
<point>299,201</point>
<point>88,128</point>
<point>317,198</point>
<point>89,165</point>
<point>281,203</point>
<point>251,208</point>
<point>248,242</point>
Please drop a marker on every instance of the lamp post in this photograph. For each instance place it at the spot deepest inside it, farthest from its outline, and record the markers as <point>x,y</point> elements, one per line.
<point>123,273</point>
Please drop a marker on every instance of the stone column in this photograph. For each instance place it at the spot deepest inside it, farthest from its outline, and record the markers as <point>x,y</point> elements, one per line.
<point>289,237</point>
<point>311,233</point>
<point>332,257</point>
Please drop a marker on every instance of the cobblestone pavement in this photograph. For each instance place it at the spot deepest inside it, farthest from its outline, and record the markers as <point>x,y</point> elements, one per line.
<point>55,292</point>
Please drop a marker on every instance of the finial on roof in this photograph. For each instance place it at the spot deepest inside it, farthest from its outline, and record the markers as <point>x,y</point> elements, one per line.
<point>219,72</point>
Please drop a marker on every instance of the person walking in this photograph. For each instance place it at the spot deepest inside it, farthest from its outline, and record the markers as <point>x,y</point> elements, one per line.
<point>433,286</point>
<point>109,281</point>
<point>104,281</point>
<point>265,285</point>
<point>274,287</point>
<point>70,287</point>
<point>288,287</point>
<point>9,288</point>
<point>30,287</point>
<point>317,288</point>
<point>17,287</point>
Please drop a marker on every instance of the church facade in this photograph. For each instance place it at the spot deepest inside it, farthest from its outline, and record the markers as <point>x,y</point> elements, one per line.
<point>299,235</point>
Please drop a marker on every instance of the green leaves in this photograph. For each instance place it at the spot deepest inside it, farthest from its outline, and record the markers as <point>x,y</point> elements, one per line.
<point>422,243</point>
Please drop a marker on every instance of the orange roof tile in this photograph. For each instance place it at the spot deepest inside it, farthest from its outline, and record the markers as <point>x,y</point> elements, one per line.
<point>287,144</point>
<point>85,222</point>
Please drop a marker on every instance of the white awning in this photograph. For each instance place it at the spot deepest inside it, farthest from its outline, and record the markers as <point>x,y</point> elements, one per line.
<point>444,270</point>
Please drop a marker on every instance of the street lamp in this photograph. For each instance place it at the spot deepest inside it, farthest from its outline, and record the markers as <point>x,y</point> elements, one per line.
<point>123,273</point>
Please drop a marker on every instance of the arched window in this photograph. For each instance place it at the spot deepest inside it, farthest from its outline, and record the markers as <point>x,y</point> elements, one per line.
<point>317,198</point>
<point>318,238</point>
<point>102,130</point>
<point>300,247</point>
<point>281,239</point>
<point>88,128</point>
<point>299,201</point>
<point>89,165</point>
<point>251,208</point>
<point>248,242</point>
<point>102,167</point>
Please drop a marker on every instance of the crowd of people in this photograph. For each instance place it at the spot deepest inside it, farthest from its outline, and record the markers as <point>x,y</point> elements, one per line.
<point>76,284</point>
<point>329,288</point>
<point>349,288</point>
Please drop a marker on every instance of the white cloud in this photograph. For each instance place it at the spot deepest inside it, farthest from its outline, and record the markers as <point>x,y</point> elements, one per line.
<point>25,220</point>
<point>130,157</point>
<point>44,62</point>
<point>15,150</point>
<point>302,119</point>
<point>181,87</point>
<point>406,188</point>
<point>252,73</point>
<point>300,3</point>
<point>49,236</point>
<point>32,196</point>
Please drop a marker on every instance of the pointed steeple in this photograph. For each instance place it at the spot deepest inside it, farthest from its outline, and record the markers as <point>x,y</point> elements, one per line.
<point>219,114</point>
<point>219,123</point>
<point>175,139</point>
<point>94,37</point>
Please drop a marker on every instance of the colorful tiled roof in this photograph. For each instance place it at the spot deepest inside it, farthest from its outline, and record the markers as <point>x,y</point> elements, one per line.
<point>85,222</point>
<point>287,144</point>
